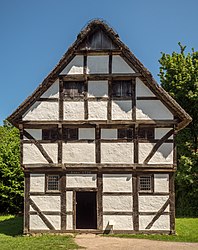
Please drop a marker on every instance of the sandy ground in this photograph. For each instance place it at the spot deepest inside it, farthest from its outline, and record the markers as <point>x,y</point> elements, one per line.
<point>92,242</point>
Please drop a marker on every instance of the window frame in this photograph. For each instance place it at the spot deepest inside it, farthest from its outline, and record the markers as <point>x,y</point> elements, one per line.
<point>127,131</point>
<point>125,89</point>
<point>70,92</point>
<point>47,190</point>
<point>146,137</point>
<point>151,190</point>
<point>50,131</point>
<point>65,134</point>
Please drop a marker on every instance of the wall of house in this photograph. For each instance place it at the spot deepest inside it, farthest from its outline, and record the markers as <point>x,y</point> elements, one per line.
<point>75,66</point>
<point>121,110</point>
<point>73,110</point>
<point>116,198</point>
<point>97,110</point>
<point>53,91</point>
<point>119,65</point>
<point>97,88</point>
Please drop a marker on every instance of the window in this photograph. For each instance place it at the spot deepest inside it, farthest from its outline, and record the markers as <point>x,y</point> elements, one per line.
<point>73,89</point>
<point>145,183</point>
<point>49,134</point>
<point>121,89</point>
<point>125,133</point>
<point>146,133</point>
<point>70,133</point>
<point>53,183</point>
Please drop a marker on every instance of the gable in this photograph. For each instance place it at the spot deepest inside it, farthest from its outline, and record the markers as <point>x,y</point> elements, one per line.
<point>80,59</point>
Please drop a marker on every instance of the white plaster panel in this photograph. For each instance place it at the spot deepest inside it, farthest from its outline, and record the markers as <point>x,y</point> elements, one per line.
<point>109,134</point>
<point>74,67</point>
<point>160,132</point>
<point>79,152</point>
<point>55,221</point>
<point>69,201</point>
<point>81,180</point>
<point>36,223</point>
<point>119,222</point>
<point>117,203</point>
<point>52,91</point>
<point>31,154</point>
<point>97,88</point>
<point>164,154</point>
<point>116,152</point>
<point>73,110</point>
<point>41,111</point>
<point>35,133</point>
<point>120,66</point>
<point>97,64</point>
<point>47,202</point>
<point>142,89</point>
<point>97,110</point>
<point>152,110</point>
<point>87,133</point>
<point>69,222</point>
<point>152,203</point>
<point>161,183</point>
<point>117,183</point>
<point>163,223</point>
<point>121,110</point>
<point>37,183</point>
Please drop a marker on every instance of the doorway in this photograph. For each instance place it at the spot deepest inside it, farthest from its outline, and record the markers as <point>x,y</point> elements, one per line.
<point>86,212</point>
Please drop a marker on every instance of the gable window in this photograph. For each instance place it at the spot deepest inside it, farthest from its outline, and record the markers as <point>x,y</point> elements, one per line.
<point>121,88</point>
<point>49,134</point>
<point>73,89</point>
<point>70,133</point>
<point>146,133</point>
<point>125,133</point>
<point>145,183</point>
<point>52,182</point>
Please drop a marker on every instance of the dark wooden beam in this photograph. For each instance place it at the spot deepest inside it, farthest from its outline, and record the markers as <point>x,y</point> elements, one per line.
<point>136,145</point>
<point>63,201</point>
<point>26,204</point>
<point>145,98</point>
<point>158,214</point>
<point>135,203</point>
<point>157,145</point>
<point>41,215</point>
<point>39,146</point>
<point>133,97</point>
<point>97,144</point>
<point>99,201</point>
<point>60,99</point>
<point>172,202</point>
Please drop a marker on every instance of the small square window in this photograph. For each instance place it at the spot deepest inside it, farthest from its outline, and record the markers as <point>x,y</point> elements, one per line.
<point>70,133</point>
<point>53,183</point>
<point>145,183</point>
<point>73,89</point>
<point>49,134</point>
<point>121,89</point>
<point>146,133</point>
<point>125,133</point>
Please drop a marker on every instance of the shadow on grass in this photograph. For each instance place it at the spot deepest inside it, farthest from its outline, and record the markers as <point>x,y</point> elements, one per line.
<point>12,226</point>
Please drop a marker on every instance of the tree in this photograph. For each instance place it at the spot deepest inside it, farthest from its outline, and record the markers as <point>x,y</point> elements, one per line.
<point>11,174</point>
<point>179,77</point>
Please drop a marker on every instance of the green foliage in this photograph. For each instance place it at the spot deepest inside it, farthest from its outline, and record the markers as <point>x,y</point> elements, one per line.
<point>11,175</point>
<point>179,77</point>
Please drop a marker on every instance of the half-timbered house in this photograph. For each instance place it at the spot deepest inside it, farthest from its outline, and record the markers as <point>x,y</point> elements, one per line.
<point>98,142</point>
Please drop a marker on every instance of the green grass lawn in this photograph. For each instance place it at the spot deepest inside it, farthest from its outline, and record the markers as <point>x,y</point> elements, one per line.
<point>186,231</point>
<point>11,237</point>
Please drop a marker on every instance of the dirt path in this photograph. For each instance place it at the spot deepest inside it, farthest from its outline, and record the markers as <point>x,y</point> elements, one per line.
<point>92,242</point>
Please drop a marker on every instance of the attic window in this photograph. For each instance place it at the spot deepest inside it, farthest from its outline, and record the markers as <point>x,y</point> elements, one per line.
<point>52,182</point>
<point>73,89</point>
<point>70,133</point>
<point>125,133</point>
<point>146,133</point>
<point>49,134</point>
<point>121,88</point>
<point>145,183</point>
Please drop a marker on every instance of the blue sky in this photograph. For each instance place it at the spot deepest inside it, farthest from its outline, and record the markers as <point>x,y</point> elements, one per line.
<point>35,34</point>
